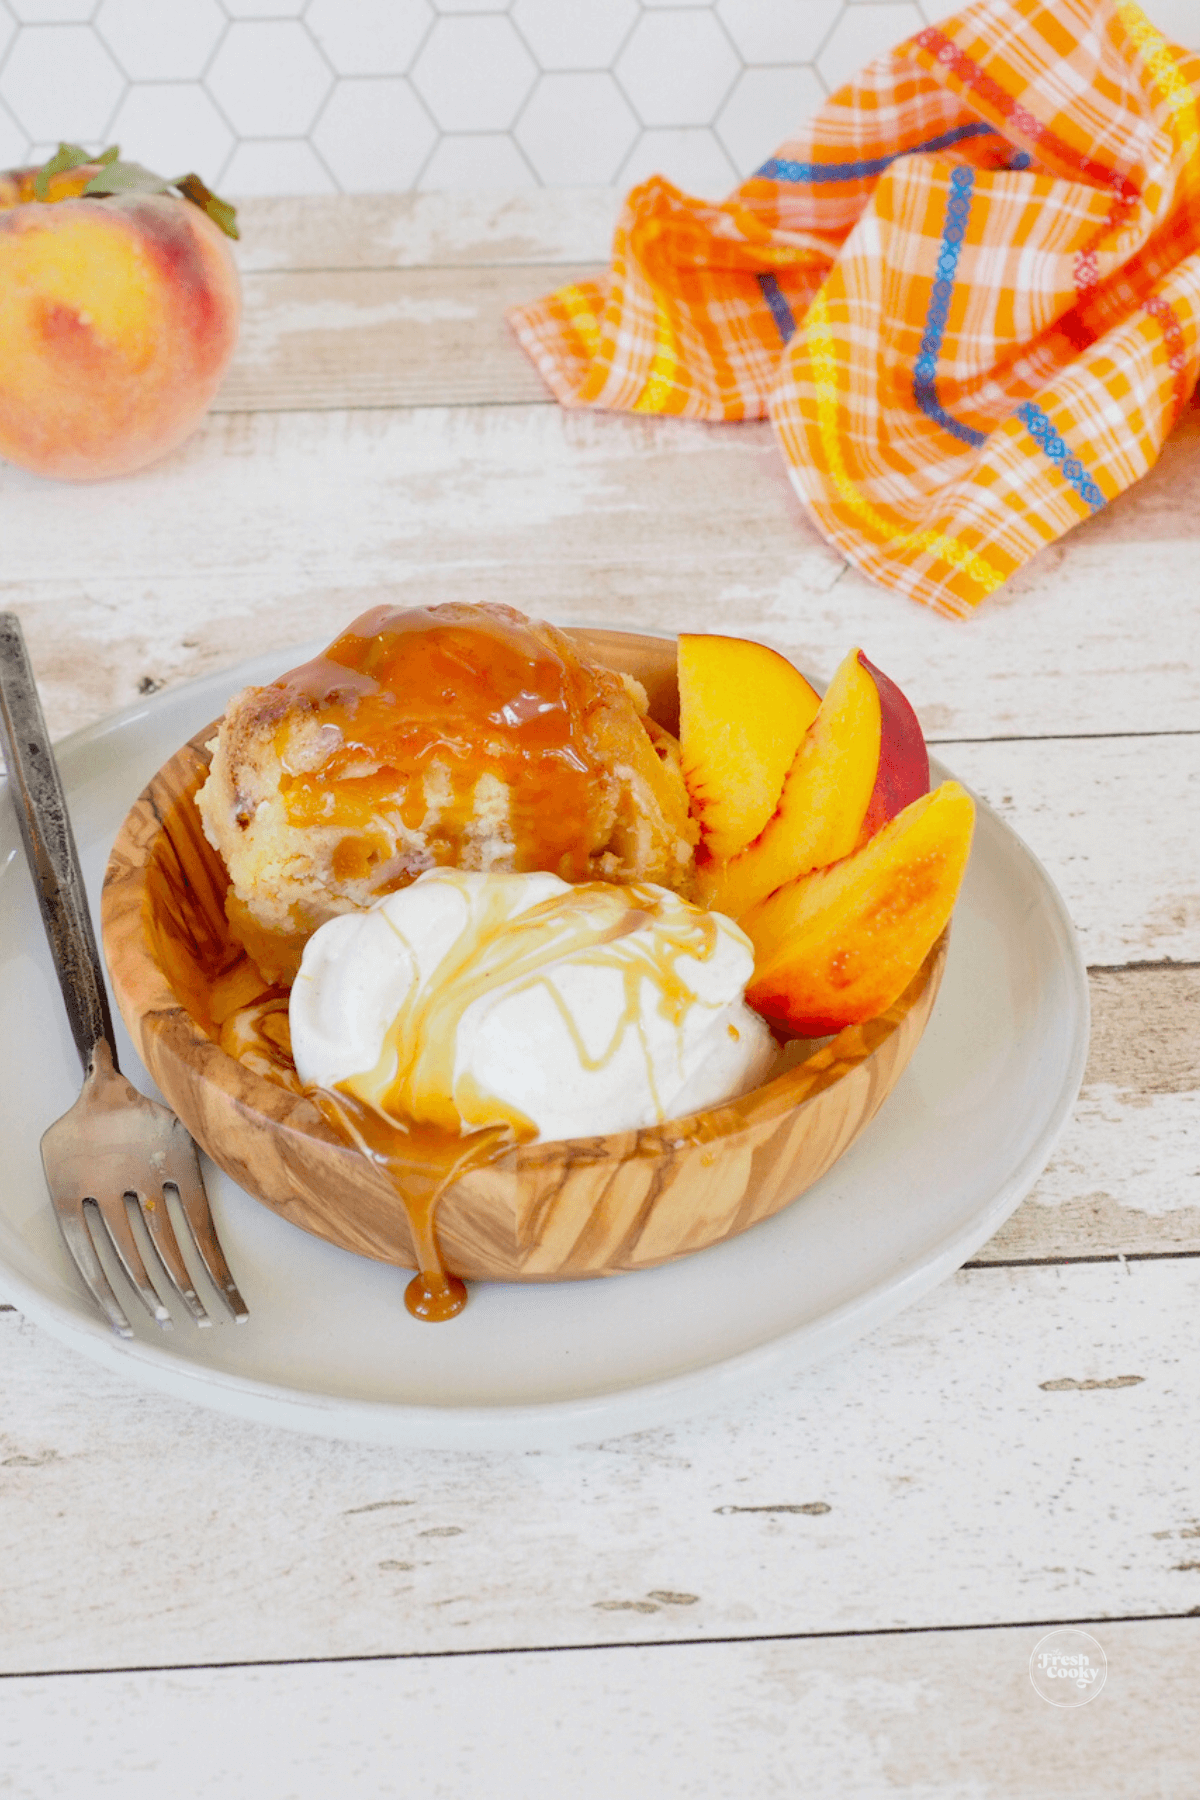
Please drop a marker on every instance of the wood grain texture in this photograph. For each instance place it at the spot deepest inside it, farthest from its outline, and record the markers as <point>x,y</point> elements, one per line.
<point>1124,1179</point>
<point>964,1485</point>
<point>542,1211</point>
<point>1114,822</point>
<point>265,530</point>
<point>384,337</point>
<point>941,1715</point>
<point>459,231</point>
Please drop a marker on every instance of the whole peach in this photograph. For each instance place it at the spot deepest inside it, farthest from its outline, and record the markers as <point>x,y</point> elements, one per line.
<point>118,317</point>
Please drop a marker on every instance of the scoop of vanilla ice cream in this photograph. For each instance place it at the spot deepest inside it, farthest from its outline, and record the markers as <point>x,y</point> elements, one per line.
<point>474,999</point>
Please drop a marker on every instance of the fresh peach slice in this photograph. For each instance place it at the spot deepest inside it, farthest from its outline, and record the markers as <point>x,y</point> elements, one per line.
<point>822,804</point>
<point>861,762</point>
<point>903,772</point>
<point>840,945</point>
<point>743,711</point>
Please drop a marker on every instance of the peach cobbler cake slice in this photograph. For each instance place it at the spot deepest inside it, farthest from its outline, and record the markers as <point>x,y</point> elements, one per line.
<point>460,736</point>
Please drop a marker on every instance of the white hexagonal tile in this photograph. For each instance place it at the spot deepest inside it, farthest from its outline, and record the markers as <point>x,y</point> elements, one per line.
<point>774,31</point>
<point>276,166</point>
<point>153,42</point>
<point>60,82</point>
<point>7,28</point>
<point>474,73</point>
<point>369,37</point>
<point>691,157</point>
<point>574,34</point>
<point>677,67</point>
<point>473,160</point>
<point>52,12</point>
<point>864,32</point>
<point>264,9</point>
<point>38,153</point>
<point>471,6</point>
<point>172,127</point>
<point>677,3</point>
<point>269,78</point>
<point>13,141</point>
<point>42,150</point>
<point>374,135</point>
<point>576,129</point>
<point>766,107</point>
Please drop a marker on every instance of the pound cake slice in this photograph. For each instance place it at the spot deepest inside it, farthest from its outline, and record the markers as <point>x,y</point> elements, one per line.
<point>458,735</point>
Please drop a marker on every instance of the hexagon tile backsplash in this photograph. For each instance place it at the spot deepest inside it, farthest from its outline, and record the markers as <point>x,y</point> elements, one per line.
<point>360,96</point>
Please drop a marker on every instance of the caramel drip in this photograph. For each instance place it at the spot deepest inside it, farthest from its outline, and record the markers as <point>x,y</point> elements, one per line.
<point>425,1124</point>
<point>470,688</point>
<point>421,1163</point>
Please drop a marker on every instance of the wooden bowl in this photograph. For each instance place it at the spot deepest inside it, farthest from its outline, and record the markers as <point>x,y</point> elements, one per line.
<point>544,1211</point>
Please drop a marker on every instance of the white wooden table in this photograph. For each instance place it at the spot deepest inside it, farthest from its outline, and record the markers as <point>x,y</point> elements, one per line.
<point>834,1591</point>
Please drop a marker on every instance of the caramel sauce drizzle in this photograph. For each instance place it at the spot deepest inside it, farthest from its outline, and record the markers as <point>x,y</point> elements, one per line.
<point>424,1124</point>
<point>415,706</point>
<point>421,1163</point>
<point>469,688</point>
<point>415,1076</point>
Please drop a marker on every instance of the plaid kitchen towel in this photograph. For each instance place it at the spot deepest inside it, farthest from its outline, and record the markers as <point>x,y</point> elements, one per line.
<point>968,294</point>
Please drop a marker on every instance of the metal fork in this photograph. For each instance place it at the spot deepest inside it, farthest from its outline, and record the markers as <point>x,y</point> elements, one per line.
<point>114,1148</point>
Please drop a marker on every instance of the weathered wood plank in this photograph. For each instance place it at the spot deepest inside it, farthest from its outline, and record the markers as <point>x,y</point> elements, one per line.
<point>391,337</point>
<point>927,1478</point>
<point>345,336</point>
<point>265,530</point>
<point>1125,1178</point>
<point>1075,1496</point>
<point>411,230</point>
<point>1114,822</point>
<point>939,1714</point>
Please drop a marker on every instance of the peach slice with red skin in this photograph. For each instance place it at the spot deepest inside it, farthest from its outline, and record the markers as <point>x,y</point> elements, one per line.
<point>902,773</point>
<point>839,945</point>
<point>861,762</point>
<point>743,713</point>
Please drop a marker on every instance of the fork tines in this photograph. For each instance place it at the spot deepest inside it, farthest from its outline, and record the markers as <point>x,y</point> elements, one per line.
<point>89,1184</point>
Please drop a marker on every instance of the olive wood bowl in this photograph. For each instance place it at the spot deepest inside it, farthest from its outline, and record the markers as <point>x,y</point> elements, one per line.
<point>543,1211</point>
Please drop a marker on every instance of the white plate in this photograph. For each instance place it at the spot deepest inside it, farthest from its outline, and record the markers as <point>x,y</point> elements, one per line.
<point>330,1348</point>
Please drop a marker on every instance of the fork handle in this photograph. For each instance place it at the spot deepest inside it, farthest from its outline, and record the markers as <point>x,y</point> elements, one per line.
<point>49,842</point>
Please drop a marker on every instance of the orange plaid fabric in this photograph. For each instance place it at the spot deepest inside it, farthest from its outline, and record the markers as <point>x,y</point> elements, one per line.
<point>968,294</point>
